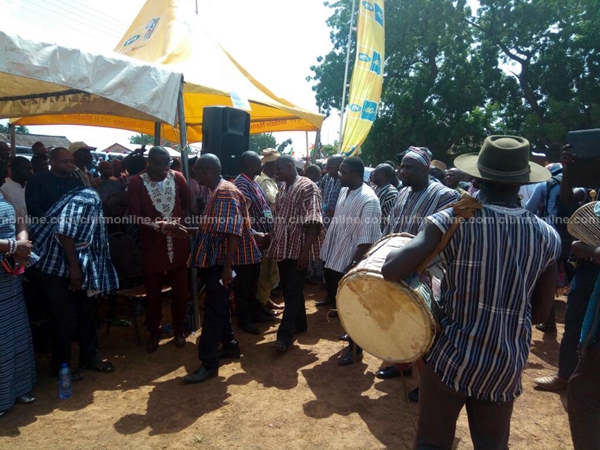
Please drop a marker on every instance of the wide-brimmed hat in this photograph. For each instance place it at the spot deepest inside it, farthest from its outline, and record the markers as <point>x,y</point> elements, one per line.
<point>438,164</point>
<point>269,155</point>
<point>503,160</point>
<point>79,145</point>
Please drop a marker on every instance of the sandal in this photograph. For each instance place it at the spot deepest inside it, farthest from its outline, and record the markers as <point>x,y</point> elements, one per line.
<point>98,365</point>
<point>280,345</point>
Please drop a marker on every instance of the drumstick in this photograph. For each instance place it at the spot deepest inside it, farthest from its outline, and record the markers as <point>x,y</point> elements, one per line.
<point>464,208</point>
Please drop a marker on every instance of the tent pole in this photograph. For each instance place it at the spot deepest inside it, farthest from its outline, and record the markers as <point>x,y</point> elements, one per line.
<point>317,148</point>
<point>156,133</point>
<point>341,136</point>
<point>13,140</point>
<point>193,273</point>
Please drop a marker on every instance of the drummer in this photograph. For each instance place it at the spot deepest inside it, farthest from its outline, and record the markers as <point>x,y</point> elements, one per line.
<point>420,197</point>
<point>500,276</point>
<point>355,226</point>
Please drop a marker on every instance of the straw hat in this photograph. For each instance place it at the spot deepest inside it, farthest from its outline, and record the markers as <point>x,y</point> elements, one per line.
<point>269,155</point>
<point>80,145</point>
<point>439,164</point>
<point>503,160</point>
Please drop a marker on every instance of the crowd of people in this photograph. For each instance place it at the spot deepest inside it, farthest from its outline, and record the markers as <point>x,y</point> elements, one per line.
<point>275,225</point>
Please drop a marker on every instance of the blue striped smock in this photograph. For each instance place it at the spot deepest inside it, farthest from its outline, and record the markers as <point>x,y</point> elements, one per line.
<point>413,207</point>
<point>356,221</point>
<point>492,265</point>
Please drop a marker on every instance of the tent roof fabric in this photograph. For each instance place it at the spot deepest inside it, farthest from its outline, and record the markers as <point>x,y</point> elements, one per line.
<point>38,78</point>
<point>166,34</point>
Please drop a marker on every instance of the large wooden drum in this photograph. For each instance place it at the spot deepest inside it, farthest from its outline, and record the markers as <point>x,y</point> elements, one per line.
<point>393,321</point>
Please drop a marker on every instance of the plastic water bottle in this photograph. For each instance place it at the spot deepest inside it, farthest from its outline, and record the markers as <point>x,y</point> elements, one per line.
<point>64,382</point>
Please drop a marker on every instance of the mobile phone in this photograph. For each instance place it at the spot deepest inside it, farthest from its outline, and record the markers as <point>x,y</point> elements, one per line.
<point>8,263</point>
<point>585,143</point>
<point>586,147</point>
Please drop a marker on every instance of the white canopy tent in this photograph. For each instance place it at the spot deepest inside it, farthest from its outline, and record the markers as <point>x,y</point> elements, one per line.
<point>42,78</point>
<point>39,78</point>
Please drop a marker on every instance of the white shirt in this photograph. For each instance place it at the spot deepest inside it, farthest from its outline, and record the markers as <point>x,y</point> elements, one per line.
<point>14,194</point>
<point>356,221</point>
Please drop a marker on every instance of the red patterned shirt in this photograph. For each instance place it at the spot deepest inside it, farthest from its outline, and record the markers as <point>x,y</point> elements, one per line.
<point>226,213</point>
<point>296,207</point>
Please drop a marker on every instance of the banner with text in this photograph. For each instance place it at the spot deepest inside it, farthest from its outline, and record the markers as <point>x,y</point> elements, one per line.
<point>367,76</point>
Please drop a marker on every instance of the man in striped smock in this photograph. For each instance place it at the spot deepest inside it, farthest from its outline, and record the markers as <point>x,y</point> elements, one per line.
<point>354,228</point>
<point>419,198</point>
<point>249,309</point>
<point>297,238</point>
<point>386,192</point>
<point>500,272</point>
<point>224,241</point>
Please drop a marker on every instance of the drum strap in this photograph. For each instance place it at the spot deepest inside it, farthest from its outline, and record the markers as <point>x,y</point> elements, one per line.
<point>464,208</point>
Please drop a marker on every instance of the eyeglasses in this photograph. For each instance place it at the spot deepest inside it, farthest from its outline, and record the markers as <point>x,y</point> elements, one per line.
<point>167,164</point>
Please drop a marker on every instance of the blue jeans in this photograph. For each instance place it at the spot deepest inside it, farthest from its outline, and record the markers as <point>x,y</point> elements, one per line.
<point>578,298</point>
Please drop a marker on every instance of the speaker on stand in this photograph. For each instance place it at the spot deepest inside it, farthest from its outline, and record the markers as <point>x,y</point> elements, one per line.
<point>226,133</point>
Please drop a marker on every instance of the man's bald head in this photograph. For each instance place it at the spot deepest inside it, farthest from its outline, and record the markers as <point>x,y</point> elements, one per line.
<point>209,161</point>
<point>158,151</point>
<point>207,170</point>
<point>333,165</point>
<point>251,164</point>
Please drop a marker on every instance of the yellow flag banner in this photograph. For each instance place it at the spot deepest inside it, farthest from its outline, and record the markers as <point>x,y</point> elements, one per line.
<point>367,76</point>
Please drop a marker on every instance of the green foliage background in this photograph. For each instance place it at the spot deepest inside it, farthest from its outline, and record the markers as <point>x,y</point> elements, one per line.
<point>454,75</point>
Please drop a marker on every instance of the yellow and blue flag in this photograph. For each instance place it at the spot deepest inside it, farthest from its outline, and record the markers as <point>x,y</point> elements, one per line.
<point>367,76</point>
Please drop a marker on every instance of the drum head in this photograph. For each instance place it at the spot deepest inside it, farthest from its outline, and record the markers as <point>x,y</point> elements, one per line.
<point>388,320</point>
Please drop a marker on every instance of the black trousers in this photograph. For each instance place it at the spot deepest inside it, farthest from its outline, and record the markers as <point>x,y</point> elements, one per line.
<point>332,279</point>
<point>440,406</point>
<point>216,327</point>
<point>294,314</point>
<point>73,316</point>
<point>245,284</point>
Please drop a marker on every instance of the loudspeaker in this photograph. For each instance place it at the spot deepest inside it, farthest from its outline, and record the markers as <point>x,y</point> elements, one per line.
<point>226,133</point>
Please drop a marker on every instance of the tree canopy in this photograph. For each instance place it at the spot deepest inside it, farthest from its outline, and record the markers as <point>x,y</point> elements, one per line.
<point>258,142</point>
<point>454,75</point>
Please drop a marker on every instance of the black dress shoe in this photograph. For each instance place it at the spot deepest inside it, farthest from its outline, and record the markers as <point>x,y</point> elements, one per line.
<point>179,340</point>
<point>392,372</point>
<point>325,302</point>
<point>24,399</point>
<point>249,327</point>
<point>152,344</point>
<point>545,328</point>
<point>261,316</point>
<point>231,350</point>
<point>200,374</point>
<point>344,337</point>
<point>413,396</point>
<point>349,357</point>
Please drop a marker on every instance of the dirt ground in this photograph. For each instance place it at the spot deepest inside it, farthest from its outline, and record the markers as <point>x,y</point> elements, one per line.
<point>299,400</point>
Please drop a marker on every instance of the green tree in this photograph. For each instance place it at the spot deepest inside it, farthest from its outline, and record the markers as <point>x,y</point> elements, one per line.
<point>21,129</point>
<point>553,53</point>
<point>141,139</point>
<point>432,95</point>
<point>281,147</point>
<point>259,142</point>
<point>453,76</point>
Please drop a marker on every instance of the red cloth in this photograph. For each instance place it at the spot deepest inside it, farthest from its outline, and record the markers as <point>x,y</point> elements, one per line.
<point>154,243</point>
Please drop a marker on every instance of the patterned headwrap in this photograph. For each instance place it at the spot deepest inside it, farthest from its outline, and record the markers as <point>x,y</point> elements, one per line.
<point>420,154</point>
